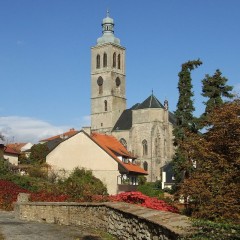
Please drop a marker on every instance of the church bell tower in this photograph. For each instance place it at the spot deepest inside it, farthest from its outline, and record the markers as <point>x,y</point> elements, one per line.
<point>108,99</point>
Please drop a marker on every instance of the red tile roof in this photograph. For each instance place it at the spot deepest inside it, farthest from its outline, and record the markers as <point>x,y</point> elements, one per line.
<point>68,134</point>
<point>10,151</point>
<point>114,148</point>
<point>16,146</point>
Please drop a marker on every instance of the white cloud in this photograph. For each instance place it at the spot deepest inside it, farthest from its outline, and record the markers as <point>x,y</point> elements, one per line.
<point>26,129</point>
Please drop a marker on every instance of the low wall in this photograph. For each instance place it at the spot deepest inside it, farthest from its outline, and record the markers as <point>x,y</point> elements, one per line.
<point>125,221</point>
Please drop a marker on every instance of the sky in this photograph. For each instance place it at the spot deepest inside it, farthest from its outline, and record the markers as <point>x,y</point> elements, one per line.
<point>45,56</point>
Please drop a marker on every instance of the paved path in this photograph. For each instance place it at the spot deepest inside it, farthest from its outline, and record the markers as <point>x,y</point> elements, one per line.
<point>15,229</point>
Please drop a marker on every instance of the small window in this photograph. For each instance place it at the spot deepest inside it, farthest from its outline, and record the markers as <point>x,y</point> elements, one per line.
<point>104,60</point>
<point>105,105</point>
<point>145,166</point>
<point>119,61</point>
<point>114,60</point>
<point>98,61</point>
<point>145,147</point>
<point>123,142</point>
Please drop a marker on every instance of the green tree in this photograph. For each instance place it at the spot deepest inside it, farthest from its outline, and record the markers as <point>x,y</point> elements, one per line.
<point>81,184</point>
<point>215,88</point>
<point>213,187</point>
<point>184,118</point>
<point>38,153</point>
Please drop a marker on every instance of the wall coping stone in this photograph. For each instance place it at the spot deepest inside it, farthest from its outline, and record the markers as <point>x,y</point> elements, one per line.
<point>175,223</point>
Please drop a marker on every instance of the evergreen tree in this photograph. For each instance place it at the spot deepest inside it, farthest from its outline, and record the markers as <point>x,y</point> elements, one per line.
<point>38,153</point>
<point>184,119</point>
<point>215,88</point>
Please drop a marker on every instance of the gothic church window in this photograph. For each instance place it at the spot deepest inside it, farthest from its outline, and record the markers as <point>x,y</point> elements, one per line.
<point>123,142</point>
<point>119,61</point>
<point>105,105</point>
<point>114,60</point>
<point>145,166</point>
<point>98,61</point>
<point>145,147</point>
<point>104,60</point>
<point>100,85</point>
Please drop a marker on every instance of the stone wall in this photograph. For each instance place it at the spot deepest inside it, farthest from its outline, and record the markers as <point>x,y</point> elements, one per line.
<point>125,221</point>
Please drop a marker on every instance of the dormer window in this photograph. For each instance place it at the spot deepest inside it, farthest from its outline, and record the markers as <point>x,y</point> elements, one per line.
<point>125,160</point>
<point>123,142</point>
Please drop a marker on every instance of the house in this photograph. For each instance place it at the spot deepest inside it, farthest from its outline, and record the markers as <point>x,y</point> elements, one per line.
<point>60,137</point>
<point>11,155</point>
<point>21,148</point>
<point>103,154</point>
<point>167,178</point>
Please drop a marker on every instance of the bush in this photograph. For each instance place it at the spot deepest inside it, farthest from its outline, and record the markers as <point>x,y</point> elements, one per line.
<point>143,200</point>
<point>8,194</point>
<point>214,231</point>
<point>150,189</point>
<point>37,171</point>
<point>82,185</point>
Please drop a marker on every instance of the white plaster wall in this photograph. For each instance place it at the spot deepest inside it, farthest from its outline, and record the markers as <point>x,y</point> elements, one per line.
<point>13,159</point>
<point>26,147</point>
<point>81,151</point>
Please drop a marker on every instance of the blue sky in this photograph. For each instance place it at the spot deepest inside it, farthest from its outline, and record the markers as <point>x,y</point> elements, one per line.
<point>45,55</point>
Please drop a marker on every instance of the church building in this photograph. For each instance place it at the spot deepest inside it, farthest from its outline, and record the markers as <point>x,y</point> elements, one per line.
<point>145,129</point>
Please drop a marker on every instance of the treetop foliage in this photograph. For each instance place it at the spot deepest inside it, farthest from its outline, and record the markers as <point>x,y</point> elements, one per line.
<point>213,187</point>
<point>215,88</point>
<point>185,108</point>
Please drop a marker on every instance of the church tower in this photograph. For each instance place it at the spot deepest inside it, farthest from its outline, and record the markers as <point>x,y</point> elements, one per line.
<point>108,99</point>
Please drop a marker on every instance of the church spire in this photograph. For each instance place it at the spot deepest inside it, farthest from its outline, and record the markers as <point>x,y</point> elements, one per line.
<point>108,31</point>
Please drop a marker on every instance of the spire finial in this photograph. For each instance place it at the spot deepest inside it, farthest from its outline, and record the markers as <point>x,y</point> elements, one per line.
<point>152,91</point>
<point>107,13</point>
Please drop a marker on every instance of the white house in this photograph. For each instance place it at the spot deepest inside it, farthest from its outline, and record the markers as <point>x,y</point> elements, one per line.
<point>106,157</point>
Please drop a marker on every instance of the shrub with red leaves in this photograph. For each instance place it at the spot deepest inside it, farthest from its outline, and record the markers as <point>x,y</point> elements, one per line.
<point>8,194</point>
<point>143,200</point>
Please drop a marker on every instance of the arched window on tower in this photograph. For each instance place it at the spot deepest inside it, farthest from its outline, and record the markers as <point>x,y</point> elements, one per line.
<point>98,61</point>
<point>123,142</point>
<point>119,61</point>
<point>145,166</point>
<point>114,60</point>
<point>100,85</point>
<point>145,147</point>
<point>104,60</point>
<point>105,105</point>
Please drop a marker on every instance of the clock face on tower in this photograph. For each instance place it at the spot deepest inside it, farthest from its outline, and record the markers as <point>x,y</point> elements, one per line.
<point>118,81</point>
